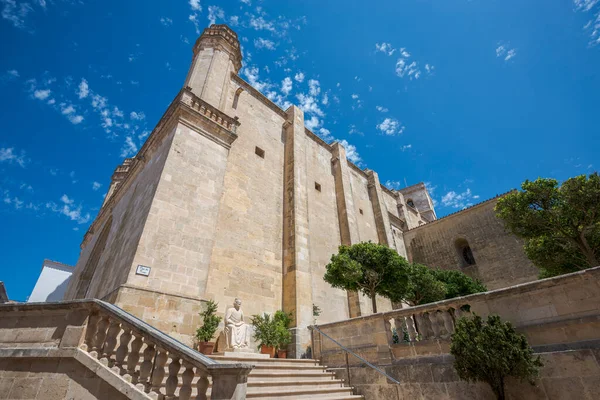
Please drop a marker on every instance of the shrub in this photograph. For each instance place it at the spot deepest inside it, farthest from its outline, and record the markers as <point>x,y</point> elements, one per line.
<point>210,322</point>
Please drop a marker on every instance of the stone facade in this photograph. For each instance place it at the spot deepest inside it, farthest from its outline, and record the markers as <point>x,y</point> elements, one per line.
<point>232,196</point>
<point>498,259</point>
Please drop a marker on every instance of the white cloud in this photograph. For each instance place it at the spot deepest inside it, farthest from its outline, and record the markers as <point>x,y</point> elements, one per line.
<point>286,86</point>
<point>42,94</point>
<point>193,18</point>
<point>390,126</point>
<point>137,116</point>
<point>215,13</point>
<point>96,185</point>
<point>8,154</point>
<point>314,87</point>
<point>384,48</point>
<point>259,24</point>
<point>503,51</point>
<point>251,74</point>
<point>410,68</point>
<point>458,200</point>
<point>382,109</point>
<point>353,130</point>
<point>394,185</point>
<point>309,105</point>
<point>406,147</point>
<point>12,73</point>
<point>166,21</point>
<point>84,89</point>
<point>351,153</point>
<point>299,77</point>
<point>75,119</point>
<point>129,147</point>
<point>312,123</point>
<point>66,207</point>
<point>234,20</point>
<point>325,134</point>
<point>325,99</point>
<point>16,13</point>
<point>261,43</point>
<point>354,96</point>
<point>195,5</point>
<point>66,110</point>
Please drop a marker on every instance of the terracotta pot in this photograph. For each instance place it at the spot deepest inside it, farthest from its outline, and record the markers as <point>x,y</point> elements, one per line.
<point>268,350</point>
<point>281,353</point>
<point>206,348</point>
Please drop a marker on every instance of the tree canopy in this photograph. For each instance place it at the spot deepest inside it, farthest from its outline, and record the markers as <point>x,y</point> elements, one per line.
<point>560,223</point>
<point>492,351</point>
<point>370,268</point>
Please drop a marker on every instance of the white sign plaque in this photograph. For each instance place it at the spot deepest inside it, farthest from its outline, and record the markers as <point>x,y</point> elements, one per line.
<point>142,270</point>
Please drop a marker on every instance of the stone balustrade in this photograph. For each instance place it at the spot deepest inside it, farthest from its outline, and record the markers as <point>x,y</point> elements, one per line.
<point>209,111</point>
<point>152,361</point>
<point>554,311</point>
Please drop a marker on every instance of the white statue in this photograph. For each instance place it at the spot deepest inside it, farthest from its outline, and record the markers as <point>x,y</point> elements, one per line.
<point>236,330</point>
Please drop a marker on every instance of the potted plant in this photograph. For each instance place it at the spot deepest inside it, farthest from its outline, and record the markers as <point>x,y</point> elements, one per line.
<point>284,336</point>
<point>206,332</point>
<point>265,333</point>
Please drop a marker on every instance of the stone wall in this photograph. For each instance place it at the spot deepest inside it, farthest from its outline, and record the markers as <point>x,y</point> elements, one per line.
<point>52,379</point>
<point>559,316</point>
<point>570,374</point>
<point>499,257</point>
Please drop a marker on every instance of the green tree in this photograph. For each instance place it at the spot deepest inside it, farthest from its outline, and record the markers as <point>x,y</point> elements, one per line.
<point>210,322</point>
<point>560,223</point>
<point>458,283</point>
<point>423,287</point>
<point>370,268</point>
<point>491,352</point>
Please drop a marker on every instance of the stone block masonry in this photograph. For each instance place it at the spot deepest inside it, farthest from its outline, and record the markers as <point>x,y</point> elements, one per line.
<point>232,196</point>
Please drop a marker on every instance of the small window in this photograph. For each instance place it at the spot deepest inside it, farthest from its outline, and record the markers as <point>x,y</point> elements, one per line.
<point>318,186</point>
<point>465,253</point>
<point>236,98</point>
<point>360,210</point>
<point>410,203</point>
<point>259,152</point>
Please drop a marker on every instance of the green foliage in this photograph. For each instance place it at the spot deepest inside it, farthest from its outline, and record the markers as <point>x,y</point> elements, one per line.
<point>492,351</point>
<point>272,331</point>
<point>458,283</point>
<point>428,285</point>
<point>316,310</point>
<point>560,224</point>
<point>423,287</point>
<point>370,268</point>
<point>210,322</point>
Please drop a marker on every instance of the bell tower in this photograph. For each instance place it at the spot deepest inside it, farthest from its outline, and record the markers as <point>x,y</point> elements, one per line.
<point>216,55</point>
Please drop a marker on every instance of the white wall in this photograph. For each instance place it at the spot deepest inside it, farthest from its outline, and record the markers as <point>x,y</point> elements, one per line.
<point>52,283</point>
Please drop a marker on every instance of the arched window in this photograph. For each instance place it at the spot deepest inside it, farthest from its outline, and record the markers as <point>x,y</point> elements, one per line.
<point>465,254</point>
<point>236,98</point>
<point>410,203</point>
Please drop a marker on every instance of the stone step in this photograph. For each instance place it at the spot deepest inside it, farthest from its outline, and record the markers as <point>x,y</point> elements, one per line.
<point>284,386</point>
<point>302,393</point>
<point>298,376</point>
<point>266,361</point>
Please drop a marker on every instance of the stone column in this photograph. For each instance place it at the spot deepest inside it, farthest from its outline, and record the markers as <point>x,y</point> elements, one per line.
<point>297,284</point>
<point>382,220</point>
<point>346,213</point>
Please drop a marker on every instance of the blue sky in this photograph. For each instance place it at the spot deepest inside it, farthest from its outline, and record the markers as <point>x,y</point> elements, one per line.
<point>471,97</point>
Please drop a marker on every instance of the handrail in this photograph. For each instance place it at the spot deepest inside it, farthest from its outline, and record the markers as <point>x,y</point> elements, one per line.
<point>347,350</point>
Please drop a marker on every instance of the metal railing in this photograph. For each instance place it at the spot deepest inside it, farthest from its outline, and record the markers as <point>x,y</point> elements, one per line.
<point>348,351</point>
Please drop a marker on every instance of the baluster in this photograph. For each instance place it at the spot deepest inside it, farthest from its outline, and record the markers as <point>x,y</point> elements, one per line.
<point>132,359</point>
<point>122,350</point>
<point>410,327</point>
<point>92,327</point>
<point>173,379</point>
<point>202,386</point>
<point>110,343</point>
<point>185,393</point>
<point>158,372</point>
<point>448,323</point>
<point>98,340</point>
<point>146,367</point>
<point>439,324</point>
<point>389,329</point>
<point>424,326</point>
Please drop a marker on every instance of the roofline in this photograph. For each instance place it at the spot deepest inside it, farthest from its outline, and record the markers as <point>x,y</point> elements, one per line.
<point>463,210</point>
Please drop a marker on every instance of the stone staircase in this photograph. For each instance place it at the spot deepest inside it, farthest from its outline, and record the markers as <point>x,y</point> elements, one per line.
<point>280,378</point>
